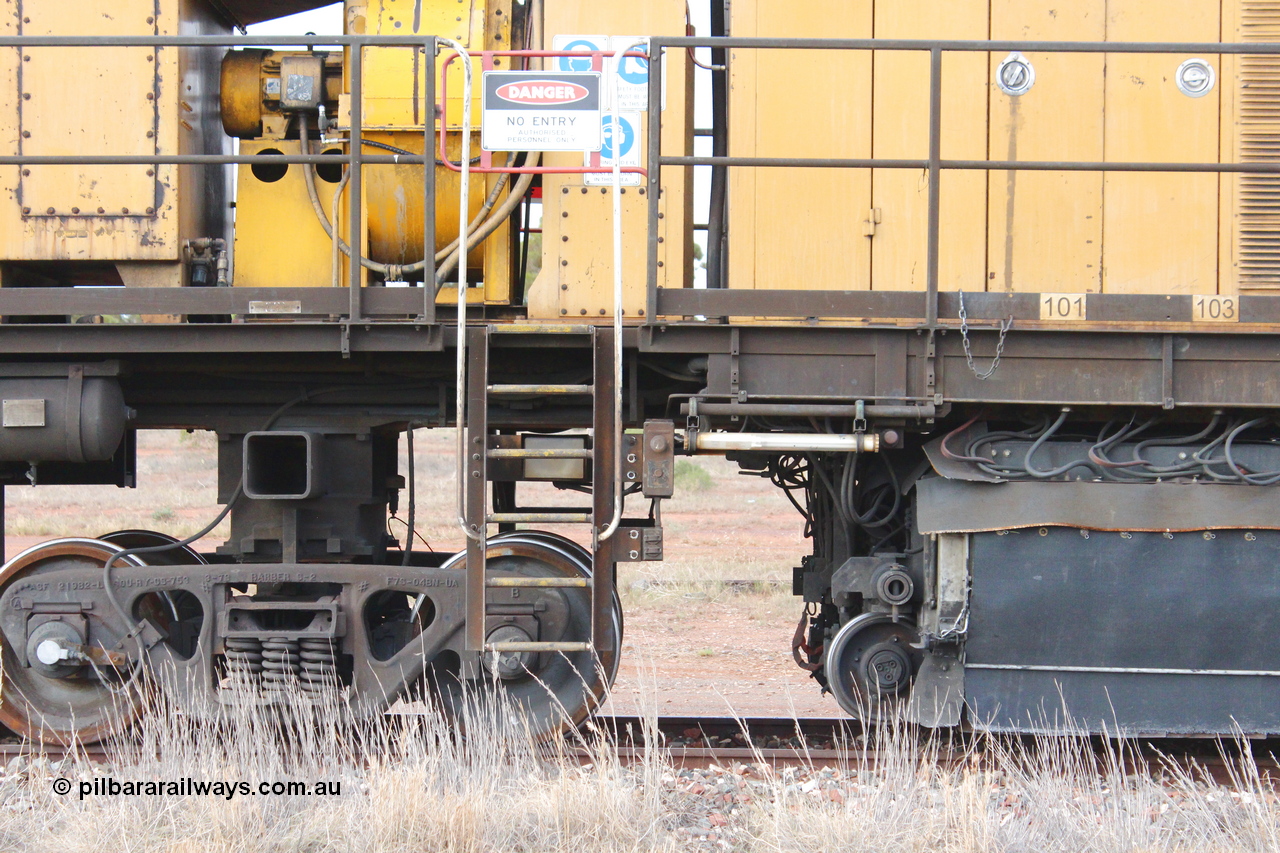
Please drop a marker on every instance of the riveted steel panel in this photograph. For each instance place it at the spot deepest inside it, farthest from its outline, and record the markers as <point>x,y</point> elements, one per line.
<point>86,101</point>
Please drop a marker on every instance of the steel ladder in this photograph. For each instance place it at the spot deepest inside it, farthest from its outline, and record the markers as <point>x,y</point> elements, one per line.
<point>603,517</point>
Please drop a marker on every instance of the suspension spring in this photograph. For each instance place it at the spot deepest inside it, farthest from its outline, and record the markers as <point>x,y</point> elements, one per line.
<point>319,665</point>
<point>244,661</point>
<point>280,662</point>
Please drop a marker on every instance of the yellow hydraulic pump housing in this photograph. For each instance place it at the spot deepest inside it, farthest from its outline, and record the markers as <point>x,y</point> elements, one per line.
<point>270,200</point>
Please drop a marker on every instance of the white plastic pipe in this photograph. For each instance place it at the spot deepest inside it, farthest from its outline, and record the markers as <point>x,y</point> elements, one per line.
<point>464,209</point>
<point>782,442</point>
<point>615,124</point>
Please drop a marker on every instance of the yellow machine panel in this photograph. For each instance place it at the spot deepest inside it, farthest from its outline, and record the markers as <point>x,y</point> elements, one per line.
<point>146,101</point>
<point>1029,231</point>
<point>1160,231</point>
<point>857,229</point>
<point>394,111</point>
<point>272,205</point>
<point>392,98</point>
<point>897,225</point>
<point>577,224</point>
<point>787,103</point>
<point>1046,227</point>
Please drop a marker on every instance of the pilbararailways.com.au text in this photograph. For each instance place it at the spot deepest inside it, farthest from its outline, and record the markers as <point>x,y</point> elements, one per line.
<point>188,787</point>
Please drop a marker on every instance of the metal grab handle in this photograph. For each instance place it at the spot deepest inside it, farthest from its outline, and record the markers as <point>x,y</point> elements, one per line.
<point>463,212</point>
<point>615,119</point>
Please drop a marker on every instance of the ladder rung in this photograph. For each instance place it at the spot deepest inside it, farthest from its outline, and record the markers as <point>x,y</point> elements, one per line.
<point>539,453</point>
<point>540,329</point>
<point>537,647</point>
<point>539,518</point>
<point>540,389</point>
<point>545,583</point>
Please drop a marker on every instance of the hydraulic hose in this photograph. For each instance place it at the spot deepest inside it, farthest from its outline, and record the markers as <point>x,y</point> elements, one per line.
<point>450,252</point>
<point>481,231</point>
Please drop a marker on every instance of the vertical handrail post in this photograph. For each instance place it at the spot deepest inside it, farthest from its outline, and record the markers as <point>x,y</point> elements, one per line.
<point>655,178</point>
<point>429,182</point>
<point>935,183</point>
<point>615,116</point>
<point>606,486</point>
<point>356,199</point>
<point>475,465</point>
<point>464,212</point>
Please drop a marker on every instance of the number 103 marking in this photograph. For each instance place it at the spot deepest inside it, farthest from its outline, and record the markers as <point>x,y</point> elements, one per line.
<point>1215,309</point>
<point>1062,306</point>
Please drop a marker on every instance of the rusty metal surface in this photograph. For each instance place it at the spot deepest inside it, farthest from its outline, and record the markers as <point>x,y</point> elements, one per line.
<point>603,485</point>
<point>263,302</point>
<point>776,366</point>
<point>1105,311</point>
<point>953,469</point>
<point>954,506</point>
<point>475,485</point>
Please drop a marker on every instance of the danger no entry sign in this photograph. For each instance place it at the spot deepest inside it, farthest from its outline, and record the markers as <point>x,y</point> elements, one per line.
<point>541,111</point>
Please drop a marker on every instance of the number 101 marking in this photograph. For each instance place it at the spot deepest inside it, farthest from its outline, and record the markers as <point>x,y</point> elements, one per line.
<point>1215,309</point>
<point>1062,306</point>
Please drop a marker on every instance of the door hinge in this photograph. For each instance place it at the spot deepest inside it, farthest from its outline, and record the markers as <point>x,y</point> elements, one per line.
<point>873,219</point>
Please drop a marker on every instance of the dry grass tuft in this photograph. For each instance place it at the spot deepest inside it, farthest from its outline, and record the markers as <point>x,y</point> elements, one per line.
<point>411,784</point>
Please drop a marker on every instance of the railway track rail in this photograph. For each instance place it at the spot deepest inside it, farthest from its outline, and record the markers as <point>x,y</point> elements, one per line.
<point>717,741</point>
<point>783,741</point>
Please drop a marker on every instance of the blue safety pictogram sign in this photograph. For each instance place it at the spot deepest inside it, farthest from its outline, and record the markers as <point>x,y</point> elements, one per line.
<point>628,135</point>
<point>583,43</point>
<point>628,77</point>
<point>624,139</point>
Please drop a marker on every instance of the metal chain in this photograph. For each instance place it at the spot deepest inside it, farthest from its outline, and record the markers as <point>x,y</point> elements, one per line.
<point>1005,326</point>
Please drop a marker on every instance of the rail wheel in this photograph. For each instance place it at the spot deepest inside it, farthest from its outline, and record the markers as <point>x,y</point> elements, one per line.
<point>177,613</point>
<point>871,664</point>
<point>180,555</point>
<point>564,543</point>
<point>48,702</point>
<point>549,692</point>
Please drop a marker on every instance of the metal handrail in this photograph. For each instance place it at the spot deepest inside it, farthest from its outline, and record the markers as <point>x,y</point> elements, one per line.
<point>464,216</point>
<point>935,164</point>
<point>354,160</point>
<point>615,117</point>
